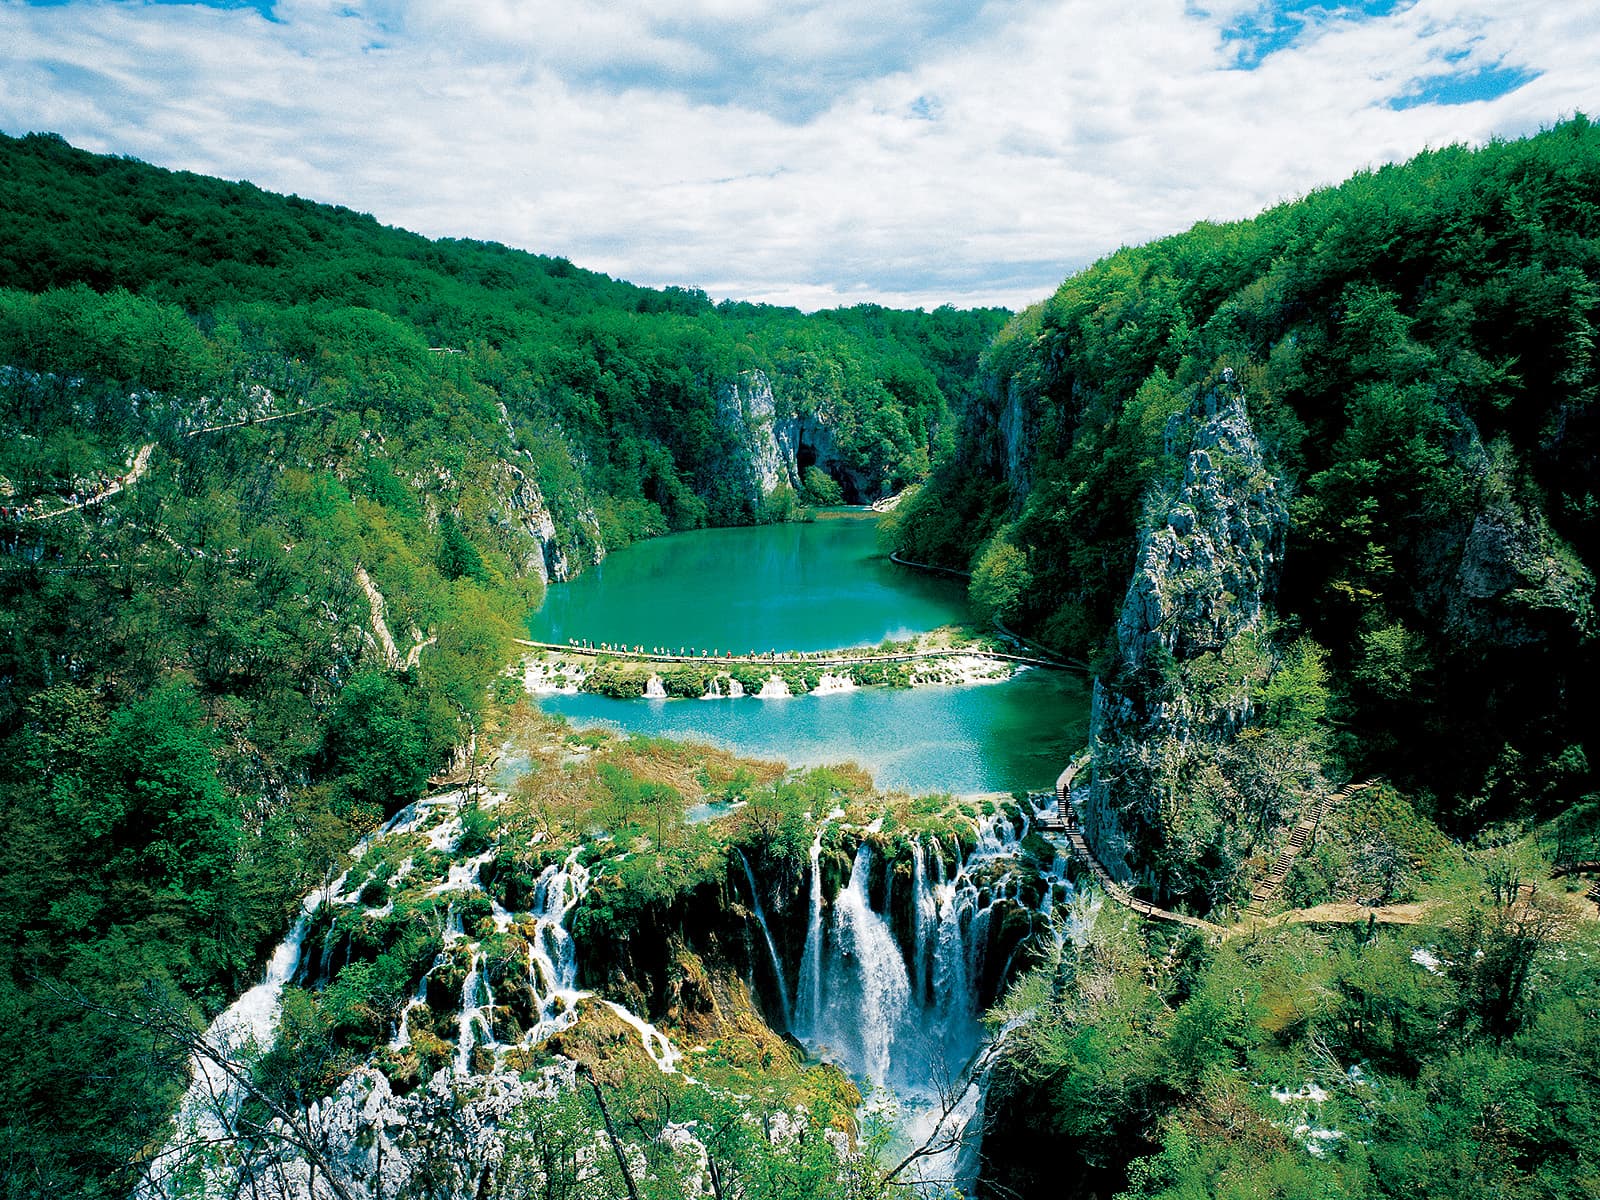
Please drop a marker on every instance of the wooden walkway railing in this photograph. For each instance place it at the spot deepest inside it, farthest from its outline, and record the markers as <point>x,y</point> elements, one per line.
<point>1078,847</point>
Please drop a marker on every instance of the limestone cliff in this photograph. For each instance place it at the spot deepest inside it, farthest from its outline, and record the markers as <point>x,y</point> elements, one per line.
<point>1206,564</point>
<point>766,445</point>
<point>551,548</point>
<point>773,444</point>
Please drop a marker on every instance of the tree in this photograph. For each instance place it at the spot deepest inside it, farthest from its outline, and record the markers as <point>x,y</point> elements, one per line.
<point>1000,581</point>
<point>373,747</point>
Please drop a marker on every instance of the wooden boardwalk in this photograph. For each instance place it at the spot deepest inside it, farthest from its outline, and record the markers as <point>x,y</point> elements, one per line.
<point>895,558</point>
<point>1065,828</point>
<point>1078,846</point>
<point>826,658</point>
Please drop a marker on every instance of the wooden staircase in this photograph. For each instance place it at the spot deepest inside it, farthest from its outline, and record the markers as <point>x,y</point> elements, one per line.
<point>1265,891</point>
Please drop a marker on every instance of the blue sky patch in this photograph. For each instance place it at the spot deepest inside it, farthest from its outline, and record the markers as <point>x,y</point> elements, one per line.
<point>1488,83</point>
<point>264,7</point>
<point>1280,24</point>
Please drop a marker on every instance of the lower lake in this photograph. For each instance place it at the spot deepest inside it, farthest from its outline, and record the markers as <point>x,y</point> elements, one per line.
<point>814,586</point>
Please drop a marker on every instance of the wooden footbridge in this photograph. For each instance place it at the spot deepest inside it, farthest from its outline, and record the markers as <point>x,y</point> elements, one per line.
<point>1588,867</point>
<point>1064,828</point>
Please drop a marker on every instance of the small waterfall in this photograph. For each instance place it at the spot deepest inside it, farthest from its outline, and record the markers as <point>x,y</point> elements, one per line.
<point>654,689</point>
<point>661,1051</point>
<point>552,954</point>
<point>766,934</point>
<point>713,690</point>
<point>774,689</point>
<point>735,688</point>
<point>811,960</point>
<point>471,1014</point>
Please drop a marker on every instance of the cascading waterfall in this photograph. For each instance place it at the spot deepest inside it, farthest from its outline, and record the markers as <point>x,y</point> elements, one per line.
<point>472,1016</point>
<point>212,1099</point>
<point>811,960</point>
<point>870,989</point>
<point>766,934</point>
<point>552,954</point>
<point>924,911</point>
<point>907,1018</point>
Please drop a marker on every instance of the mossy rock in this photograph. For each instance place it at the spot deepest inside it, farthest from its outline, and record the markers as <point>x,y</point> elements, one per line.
<point>402,1068</point>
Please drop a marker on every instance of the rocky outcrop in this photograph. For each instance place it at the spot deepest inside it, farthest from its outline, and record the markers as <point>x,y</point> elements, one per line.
<point>767,446</point>
<point>774,445</point>
<point>550,550</point>
<point>541,544</point>
<point>445,1139</point>
<point>1206,564</point>
<point>1496,576</point>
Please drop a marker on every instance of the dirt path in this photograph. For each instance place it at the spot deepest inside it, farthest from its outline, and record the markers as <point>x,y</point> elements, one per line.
<point>140,464</point>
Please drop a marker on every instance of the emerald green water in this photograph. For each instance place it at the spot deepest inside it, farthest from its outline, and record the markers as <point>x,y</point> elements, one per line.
<point>814,587</point>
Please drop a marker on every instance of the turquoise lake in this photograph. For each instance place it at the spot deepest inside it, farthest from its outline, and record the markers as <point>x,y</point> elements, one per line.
<point>814,586</point>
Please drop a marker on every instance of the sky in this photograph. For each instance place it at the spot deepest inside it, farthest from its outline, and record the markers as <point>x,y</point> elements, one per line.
<point>808,152</point>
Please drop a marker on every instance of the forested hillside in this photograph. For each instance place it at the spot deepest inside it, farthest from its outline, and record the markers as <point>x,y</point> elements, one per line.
<point>1316,494</point>
<point>279,484</point>
<point>1416,350</point>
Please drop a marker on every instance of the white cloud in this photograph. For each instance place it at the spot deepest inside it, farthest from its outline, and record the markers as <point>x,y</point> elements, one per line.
<point>754,149</point>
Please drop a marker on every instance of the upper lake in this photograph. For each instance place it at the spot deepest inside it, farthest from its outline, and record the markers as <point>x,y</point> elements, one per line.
<point>818,585</point>
<point>814,586</point>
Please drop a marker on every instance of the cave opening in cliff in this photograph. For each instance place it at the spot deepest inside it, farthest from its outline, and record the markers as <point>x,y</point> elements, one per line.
<point>806,457</point>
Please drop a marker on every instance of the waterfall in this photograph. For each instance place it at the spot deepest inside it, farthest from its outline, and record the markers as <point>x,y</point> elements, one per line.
<point>774,688</point>
<point>207,1109</point>
<point>735,688</point>
<point>552,954</point>
<point>654,689</point>
<point>924,912</point>
<point>811,961</point>
<point>909,1017</point>
<point>766,934</point>
<point>471,1013</point>
<point>868,975</point>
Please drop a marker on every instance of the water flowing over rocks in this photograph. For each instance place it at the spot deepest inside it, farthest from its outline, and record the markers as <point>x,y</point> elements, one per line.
<point>894,943</point>
<point>1207,562</point>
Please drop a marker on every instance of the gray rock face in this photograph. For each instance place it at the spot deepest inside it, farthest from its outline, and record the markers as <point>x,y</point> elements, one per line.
<point>1515,584</point>
<point>774,444</point>
<point>768,446</point>
<point>540,544</point>
<point>1206,565</point>
<point>1202,574</point>
<point>1499,576</point>
<point>544,548</point>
